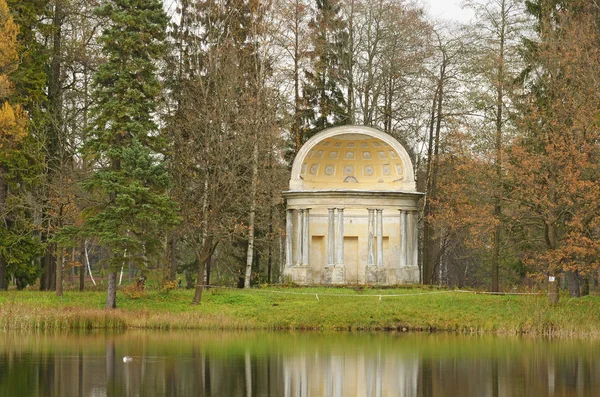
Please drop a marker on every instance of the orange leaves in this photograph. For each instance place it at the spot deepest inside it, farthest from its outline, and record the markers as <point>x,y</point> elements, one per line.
<point>555,167</point>
<point>466,187</point>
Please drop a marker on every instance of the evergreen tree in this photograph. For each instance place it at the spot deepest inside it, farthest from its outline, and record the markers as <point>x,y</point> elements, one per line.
<point>133,208</point>
<point>18,245</point>
<point>29,79</point>
<point>323,98</point>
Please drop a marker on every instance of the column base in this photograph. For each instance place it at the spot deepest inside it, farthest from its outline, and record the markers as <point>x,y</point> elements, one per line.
<point>407,275</point>
<point>375,274</point>
<point>335,274</point>
<point>299,274</point>
<point>287,274</point>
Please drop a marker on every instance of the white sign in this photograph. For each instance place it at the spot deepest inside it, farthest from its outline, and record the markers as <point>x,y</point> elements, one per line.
<point>551,279</point>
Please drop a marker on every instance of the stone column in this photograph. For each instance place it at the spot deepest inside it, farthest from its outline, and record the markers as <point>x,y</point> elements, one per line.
<point>331,236</point>
<point>403,239</point>
<point>289,232</point>
<point>306,237</point>
<point>340,237</point>
<point>300,237</point>
<point>380,237</point>
<point>415,238</point>
<point>371,235</point>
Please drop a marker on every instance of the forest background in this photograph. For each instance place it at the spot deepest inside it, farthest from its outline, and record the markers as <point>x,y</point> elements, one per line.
<point>138,135</point>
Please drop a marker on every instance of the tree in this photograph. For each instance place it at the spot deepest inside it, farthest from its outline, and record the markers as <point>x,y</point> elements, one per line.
<point>494,66</point>
<point>450,51</point>
<point>31,92</point>
<point>132,209</point>
<point>291,34</point>
<point>323,98</point>
<point>555,161</point>
<point>462,212</point>
<point>223,128</point>
<point>18,245</point>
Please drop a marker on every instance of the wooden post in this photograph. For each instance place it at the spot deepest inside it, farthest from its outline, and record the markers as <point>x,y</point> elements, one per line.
<point>552,290</point>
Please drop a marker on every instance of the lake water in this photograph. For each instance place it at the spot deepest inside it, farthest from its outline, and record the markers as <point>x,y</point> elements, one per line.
<point>231,364</point>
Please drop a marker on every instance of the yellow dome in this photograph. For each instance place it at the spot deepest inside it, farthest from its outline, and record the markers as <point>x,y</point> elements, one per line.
<point>352,157</point>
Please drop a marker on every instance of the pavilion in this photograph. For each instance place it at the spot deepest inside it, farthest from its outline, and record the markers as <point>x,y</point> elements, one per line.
<point>352,210</point>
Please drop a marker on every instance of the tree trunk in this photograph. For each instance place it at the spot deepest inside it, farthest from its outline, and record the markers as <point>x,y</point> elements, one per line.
<point>59,271</point>
<point>430,242</point>
<point>585,286</point>
<point>203,257</point>
<point>573,280</point>
<point>53,149</point>
<point>199,283</point>
<point>208,269</point>
<point>72,268</point>
<point>297,111</point>
<point>495,287</point>
<point>48,278</point>
<point>81,275</point>
<point>3,197</point>
<point>111,290</point>
<point>350,72</point>
<point>250,252</point>
<point>172,252</point>
<point>498,148</point>
<point>3,285</point>
<point>270,253</point>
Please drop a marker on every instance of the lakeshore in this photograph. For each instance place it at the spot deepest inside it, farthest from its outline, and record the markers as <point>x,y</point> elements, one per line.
<point>322,309</point>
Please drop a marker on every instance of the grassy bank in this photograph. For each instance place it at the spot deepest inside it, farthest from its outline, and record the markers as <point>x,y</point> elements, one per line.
<point>409,309</point>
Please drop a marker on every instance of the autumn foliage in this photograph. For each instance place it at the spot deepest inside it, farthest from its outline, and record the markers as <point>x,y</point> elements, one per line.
<point>555,162</point>
<point>13,121</point>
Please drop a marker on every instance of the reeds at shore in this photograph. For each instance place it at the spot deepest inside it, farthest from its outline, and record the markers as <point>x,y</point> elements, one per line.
<point>341,309</point>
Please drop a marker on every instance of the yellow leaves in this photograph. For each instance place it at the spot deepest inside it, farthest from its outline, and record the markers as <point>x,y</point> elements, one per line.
<point>13,120</point>
<point>13,126</point>
<point>6,87</point>
<point>8,41</point>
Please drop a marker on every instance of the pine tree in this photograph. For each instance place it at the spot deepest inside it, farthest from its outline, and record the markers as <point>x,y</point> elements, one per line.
<point>323,99</point>
<point>133,209</point>
<point>29,79</point>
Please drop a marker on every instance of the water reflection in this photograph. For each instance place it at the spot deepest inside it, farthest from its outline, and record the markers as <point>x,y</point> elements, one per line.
<point>294,365</point>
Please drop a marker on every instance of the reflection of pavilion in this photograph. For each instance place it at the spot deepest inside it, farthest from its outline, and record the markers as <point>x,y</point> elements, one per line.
<point>352,210</point>
<point>365,374</point>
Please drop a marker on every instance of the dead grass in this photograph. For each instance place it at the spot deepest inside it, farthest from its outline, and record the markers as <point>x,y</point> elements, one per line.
<point>299,309</point>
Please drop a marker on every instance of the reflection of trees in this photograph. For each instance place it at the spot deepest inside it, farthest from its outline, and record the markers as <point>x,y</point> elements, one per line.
<point>309,369</point>
<point>24,384</point>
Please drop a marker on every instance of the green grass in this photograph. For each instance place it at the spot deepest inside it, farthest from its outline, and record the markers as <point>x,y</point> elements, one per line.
<point>280,308</point>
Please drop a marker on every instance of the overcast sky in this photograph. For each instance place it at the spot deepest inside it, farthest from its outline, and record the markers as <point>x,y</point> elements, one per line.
<point>446,9</point>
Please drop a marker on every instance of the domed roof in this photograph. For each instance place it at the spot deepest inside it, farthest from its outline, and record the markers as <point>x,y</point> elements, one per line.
<point>352,157</point>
